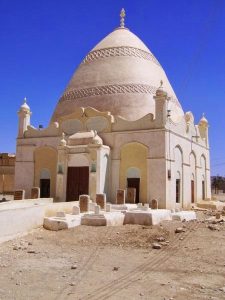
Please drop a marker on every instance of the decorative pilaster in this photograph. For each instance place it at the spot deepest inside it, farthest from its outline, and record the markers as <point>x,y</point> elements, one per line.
<point>24,118</point>
<point>161,100</point>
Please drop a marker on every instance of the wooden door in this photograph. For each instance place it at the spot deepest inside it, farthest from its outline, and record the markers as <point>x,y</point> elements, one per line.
<point>192,191</point>
<point>134,183</point>
<point>44,188</point>
<point>77,182</point>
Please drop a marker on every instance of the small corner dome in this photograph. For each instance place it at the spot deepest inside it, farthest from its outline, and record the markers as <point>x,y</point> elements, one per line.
<point>120,75</point>
<point>203,121</point>
<point>24,106</point>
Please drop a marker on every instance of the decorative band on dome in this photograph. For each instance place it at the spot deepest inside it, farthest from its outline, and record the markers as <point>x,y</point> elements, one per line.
<point>109,89</point>
<point>120,51</point>
<point>112,89</point>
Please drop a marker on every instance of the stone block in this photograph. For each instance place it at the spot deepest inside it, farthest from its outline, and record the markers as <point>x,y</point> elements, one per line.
<point>154,204</point>
<point>108,207</point>
<point>145,208</point>
<point>19,195</point>
<point>218,215</point>
<point>35,193</point>
<point>131,195</point>
<point>54,223</point>
<point>101,200</point>
<point>120,197</point>
<point>97,209</point>
<point>184,215</point>
<point>75,210</point>
<point>139,205</point>
<point>84,201</point>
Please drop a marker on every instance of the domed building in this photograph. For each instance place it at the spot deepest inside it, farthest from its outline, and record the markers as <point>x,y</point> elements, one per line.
<point>117,125</point>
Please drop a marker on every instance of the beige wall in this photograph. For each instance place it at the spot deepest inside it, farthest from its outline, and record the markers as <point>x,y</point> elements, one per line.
<point>134,155</point>
<point>7,172</point>
<point>45,158</point>
<point>8,185</point>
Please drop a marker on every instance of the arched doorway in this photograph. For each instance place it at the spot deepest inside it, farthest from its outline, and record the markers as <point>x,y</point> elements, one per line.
<point>45,168</point>
<point>203,171</point>
<point>193,176</point>
<point>133,168</point>
<point>178,188</point>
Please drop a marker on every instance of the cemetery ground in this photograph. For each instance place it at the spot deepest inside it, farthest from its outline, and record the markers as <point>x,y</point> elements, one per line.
<point>117,262</point>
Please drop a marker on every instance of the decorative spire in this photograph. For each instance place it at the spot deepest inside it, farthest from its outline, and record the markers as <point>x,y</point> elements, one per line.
<point>24,106</point>
<point>122,18</point>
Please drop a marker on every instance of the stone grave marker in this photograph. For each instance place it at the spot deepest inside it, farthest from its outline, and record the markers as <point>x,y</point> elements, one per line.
<point>35,193</point>
<point>101,200</point>
<point>19,195</point>
<point>131,195</point>
<point>120,197</point>
<point>97,209</point>
<point>75,210</point>
<point>108,207</point>
<point>154,204</point>
<point>84,203</point>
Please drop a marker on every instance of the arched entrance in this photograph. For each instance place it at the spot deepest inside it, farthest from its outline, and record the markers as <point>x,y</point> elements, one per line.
<point>45,168</point>
<point>133,169</point>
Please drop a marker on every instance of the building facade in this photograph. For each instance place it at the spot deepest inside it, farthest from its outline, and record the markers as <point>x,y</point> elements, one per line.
<point>118,124</point>
<point>7,173</point>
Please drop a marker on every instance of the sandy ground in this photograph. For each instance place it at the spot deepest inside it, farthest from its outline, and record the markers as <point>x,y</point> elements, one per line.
<point>116,263</point>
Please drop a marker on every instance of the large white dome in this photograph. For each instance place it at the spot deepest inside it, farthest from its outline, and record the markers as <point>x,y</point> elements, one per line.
<point>119,75</point>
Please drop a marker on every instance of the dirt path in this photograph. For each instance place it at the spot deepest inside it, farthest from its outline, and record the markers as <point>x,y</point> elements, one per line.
<point>115,263</point>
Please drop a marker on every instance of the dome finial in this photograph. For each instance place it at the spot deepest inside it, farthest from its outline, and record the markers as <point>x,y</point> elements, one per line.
<point>122,18</point>
<point>25,99</point>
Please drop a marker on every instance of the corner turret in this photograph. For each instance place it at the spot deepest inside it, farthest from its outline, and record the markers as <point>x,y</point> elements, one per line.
<point>24,118</point>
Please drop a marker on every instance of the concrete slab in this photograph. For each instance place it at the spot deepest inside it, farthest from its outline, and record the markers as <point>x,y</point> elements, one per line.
<point>184,215</point>
<point>103,219</point>
<point>214,205</point>
<point>93,220</point>
<point>150,217</point>
<point>123,207</point>
<point>114,218</point>
<point>59,223</point>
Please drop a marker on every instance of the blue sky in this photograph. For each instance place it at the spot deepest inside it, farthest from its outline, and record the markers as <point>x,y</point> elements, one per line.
<point>43,41</point>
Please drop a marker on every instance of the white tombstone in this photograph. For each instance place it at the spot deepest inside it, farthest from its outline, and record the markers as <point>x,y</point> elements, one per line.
<point>144,208</point>
<point>75,210</point>
<point>97,209</point>
<point>108,207</point>
<point>139,205</point>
